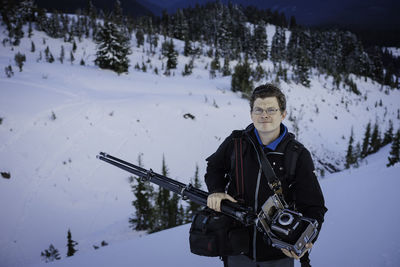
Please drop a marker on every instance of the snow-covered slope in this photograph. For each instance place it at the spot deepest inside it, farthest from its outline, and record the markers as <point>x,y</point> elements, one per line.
<point>58,184</point>
<point>361,228</point>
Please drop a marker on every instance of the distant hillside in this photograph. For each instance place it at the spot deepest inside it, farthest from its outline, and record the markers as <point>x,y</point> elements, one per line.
<point>130,7</point>
<point>376,21</point>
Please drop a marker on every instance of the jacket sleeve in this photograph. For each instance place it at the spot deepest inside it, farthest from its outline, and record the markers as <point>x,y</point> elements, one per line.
<point>309,198</point>
<point>218,166</point>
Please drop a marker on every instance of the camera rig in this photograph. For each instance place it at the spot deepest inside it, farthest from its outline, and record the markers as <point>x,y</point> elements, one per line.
<point>283,227</point>
<point>186,191</point>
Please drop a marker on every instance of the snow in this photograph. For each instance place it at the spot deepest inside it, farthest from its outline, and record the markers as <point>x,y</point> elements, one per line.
<point>58,184</point>
<point>361,228</point>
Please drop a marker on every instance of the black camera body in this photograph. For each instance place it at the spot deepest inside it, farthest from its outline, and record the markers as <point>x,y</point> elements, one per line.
<point>286,228</point>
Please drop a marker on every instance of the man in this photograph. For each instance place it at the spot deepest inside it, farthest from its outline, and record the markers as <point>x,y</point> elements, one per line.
<point>267,110</point>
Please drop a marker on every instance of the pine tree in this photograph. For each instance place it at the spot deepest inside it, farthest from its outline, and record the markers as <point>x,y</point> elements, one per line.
<point>9,71</point>
<point>388,137</point>
<point>139,38</point>
<point>241,78</point>
<point>113,49</point>
<point>173,210</point>
<point>260,42</point>
<point>33,48</point>
<point>278,45</point>
<point>350,154</point>
<point>366,141</point>
<point>162,207</point>
<point>226,70</point>
<point>71,245</point>
<point>62,54</point>
<point>172,57</point>
<point>194,207</point>
<point>143,218</point>
<point>117,14</point>
<point>19,60</point>
<point>50,254</point>
<point>187,50</point>
<point>143,210</point>
<point>395,150</point>
<point>215,65</point>
<point>188,68</point>
<point>375,142</point>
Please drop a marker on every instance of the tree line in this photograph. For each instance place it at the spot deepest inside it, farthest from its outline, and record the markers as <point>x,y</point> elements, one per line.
<point>372,142</point>
<point>156,210</point>
<point>231,32</point>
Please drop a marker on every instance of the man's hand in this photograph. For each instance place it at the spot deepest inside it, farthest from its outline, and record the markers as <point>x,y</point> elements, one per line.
<point>214,200</point>
<point>291,254</point>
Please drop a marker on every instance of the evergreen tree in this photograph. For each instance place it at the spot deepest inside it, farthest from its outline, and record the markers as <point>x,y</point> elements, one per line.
<point>50,254</point>
<point>172,57</point>
<point>117,14</point>
<point>143,219</point>
<point>62,54</point>
<point>278,45</point>
<point>226,70</point>
<point>366,141</point>
<point>187,50</point>
<point>71,245</point>
<point>388,137</point>
<point>241,78</point>
<point>215,65</point>
<point>19,60</point>
<point>188,68</point>
<point>350,159</point>
<point>162,208</point>
<point>395,150</point>
<point>33,48</point>
<point>143,211</point>
<point>194,207</point>
<point>113,49</point>
<point>173,216</point>
<point>139,38</point>
<point>260,42</point>
<point>9,71</point>
<point>375,142</point>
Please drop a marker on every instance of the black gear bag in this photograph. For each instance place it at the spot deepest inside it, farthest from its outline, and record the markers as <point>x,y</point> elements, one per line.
<point>216,234</point>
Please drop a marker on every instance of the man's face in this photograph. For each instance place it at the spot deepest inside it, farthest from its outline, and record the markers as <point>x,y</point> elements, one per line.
<point>267,123</point>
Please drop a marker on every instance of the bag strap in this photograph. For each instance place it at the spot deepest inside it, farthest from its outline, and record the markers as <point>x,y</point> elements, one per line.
<point>239,166</point>
<point>294,148</point>
<point>273,181</point>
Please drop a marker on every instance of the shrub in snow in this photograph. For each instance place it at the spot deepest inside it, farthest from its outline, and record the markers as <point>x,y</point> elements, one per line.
<point>19,60</point>
<point>50,254</point>
<point>9,71</point>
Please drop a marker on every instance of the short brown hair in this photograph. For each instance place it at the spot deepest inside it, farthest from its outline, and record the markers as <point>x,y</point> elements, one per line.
<point>268,90</point>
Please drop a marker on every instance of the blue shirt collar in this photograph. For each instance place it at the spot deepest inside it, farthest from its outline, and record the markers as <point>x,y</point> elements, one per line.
<point>274,143</point>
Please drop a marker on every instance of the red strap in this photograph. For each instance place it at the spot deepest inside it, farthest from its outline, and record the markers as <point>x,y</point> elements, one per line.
<point>239,167</point>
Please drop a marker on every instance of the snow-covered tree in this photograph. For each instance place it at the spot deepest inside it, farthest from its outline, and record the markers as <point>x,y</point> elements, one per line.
<point>113,48</point>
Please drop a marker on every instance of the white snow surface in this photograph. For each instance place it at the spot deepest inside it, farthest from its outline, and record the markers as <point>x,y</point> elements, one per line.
<point>361,228</point>
<point>58,184</point>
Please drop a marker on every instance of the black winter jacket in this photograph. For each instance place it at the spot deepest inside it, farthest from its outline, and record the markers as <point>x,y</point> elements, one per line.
<point>304,188</point>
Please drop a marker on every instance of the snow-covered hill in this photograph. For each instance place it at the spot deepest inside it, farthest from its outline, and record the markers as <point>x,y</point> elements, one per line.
<point>57,117</point>
<point>361,228</point>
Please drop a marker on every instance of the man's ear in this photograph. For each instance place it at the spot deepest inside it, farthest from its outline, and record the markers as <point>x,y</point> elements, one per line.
<point>284,115</point>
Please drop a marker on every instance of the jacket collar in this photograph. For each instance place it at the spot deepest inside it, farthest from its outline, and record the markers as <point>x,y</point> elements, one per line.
<point>274,144</point>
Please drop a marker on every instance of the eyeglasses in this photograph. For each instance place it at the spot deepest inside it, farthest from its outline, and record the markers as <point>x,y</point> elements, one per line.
<point>269,111</point>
